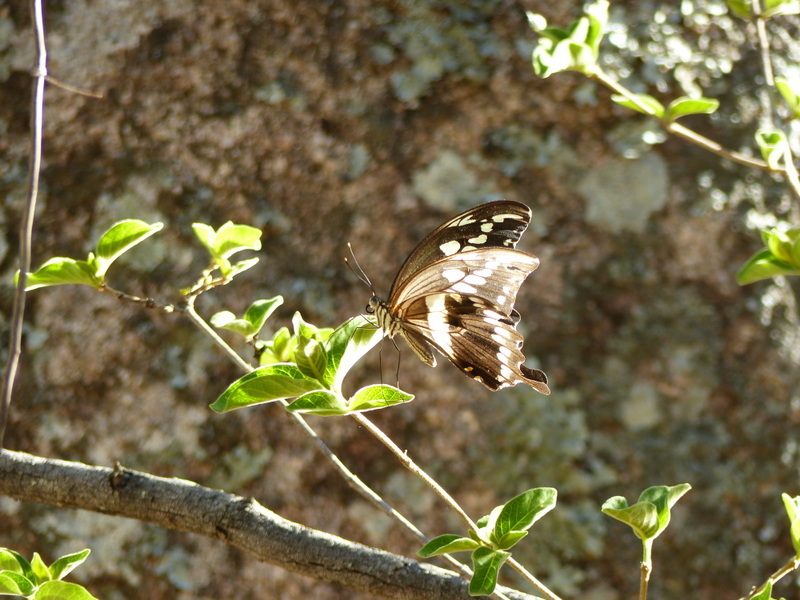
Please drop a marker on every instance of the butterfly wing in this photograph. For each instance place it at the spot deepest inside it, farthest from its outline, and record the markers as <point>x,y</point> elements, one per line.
<point>464,307</point>
<point>494,224</point>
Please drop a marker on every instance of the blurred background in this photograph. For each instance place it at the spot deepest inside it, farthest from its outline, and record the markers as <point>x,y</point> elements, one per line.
<point>371,122</point>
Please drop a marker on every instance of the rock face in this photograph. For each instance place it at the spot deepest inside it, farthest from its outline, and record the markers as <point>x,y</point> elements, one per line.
<point>324,123</point>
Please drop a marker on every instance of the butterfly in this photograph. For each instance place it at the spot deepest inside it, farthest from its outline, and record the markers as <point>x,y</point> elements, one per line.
<point>456,291</point>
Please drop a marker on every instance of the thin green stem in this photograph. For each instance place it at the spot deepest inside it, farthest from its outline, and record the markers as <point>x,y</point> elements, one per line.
<point>765,92</point>
<point>682,131</point>
<point>351,478</point>
<point>791,565</point>
<point>646,568</point>
<point>409,464</point>
<point>529,577</point>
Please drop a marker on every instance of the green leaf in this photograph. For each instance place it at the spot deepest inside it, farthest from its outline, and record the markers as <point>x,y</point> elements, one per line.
<point>261,310</point>
<point>522,511</point>
<point>40,570</point>
<point>303,329</point>
<point>253,319</point>
<point>486,565</point>
<point>67,563</point>
<point>120,238</point>
<point>680,107</point>
<point>792,506</point>
<point>764,594</point>
<point>651,514</point>
<point>537,22</point>
<point>266,384</point>
<point>27,569</point>
<point>763,265</point>
<point>206,234</point>
<point>575,49</point>
<point>445,544</point>
<point>774,8</point>
<point>646,104</point>
<point>10,561</point>
<point>509,540</point>
<point>228,239</point>
<point>323,403</point>
<point>374,397</point>
<point>774,147</point>
<point>61,590</point>
<point>280,348</point>
<point>741,8</point>
<point>60,271</point>
<point>311,358</point>
<point>597,13</point>
<point>790,94</point>
<point>346,346</point>
<point>487,522</point>
<point>12,582</point>
<point>232,270</point>
<point>227,320</point>
<point>778,243</point>
<point>643,518</point>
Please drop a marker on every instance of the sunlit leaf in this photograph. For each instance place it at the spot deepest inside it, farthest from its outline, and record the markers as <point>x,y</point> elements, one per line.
<point>267,384</point>
<point>120,238</point>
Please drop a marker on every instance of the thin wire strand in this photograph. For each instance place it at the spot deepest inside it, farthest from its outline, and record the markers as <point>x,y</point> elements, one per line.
<point>26,225</point>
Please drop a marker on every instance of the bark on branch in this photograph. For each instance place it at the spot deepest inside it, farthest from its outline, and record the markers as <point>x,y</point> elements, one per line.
<point>240,522</point>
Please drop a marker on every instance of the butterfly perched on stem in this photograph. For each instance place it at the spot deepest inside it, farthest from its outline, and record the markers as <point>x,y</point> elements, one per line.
<point>456,293</point>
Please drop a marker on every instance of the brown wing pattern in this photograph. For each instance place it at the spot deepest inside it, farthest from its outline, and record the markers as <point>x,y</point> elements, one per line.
<point>465,309</point>
<point>456,293</point>
<point>491,225</point>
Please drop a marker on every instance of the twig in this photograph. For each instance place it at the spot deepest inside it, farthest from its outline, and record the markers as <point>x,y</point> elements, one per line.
<point>146,302</point>
<point>181,505</point>
<point>442,493</point>
<point>765,93</point>
<point>73,89</point>
<point>351,478</point>
<point>26,225</point>
<point>409,464</point>
<point>685,132</point>
<point>791,565</point>
<point>644,580</point>
<point>529,577</point>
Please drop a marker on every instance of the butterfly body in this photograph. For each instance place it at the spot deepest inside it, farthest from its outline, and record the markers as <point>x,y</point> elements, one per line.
<point>456,293</point>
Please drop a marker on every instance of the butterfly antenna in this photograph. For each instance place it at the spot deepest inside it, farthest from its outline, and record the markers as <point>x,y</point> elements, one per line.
<point>358,271</point>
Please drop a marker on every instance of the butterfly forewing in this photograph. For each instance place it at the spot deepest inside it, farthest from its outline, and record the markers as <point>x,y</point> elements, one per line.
<point>492,225</point>
<point>492,274</point>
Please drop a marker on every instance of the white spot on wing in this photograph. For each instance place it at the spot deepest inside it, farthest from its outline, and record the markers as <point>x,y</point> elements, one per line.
<point>464,288</point>
<point>463,221</point>
<point>487,227</point>
<point>453,275</point>
<point>475,279</point>
<point>481,239</point>
<point>437,322</point>
<point>502,217</point>
<point>450,248</point>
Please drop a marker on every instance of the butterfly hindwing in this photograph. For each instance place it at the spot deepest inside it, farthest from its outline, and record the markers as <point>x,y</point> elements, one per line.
<point>467,313</point>
<point>480,341</point>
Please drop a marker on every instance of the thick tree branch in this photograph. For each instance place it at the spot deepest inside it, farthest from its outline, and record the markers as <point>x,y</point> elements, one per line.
<point>239,522</point>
